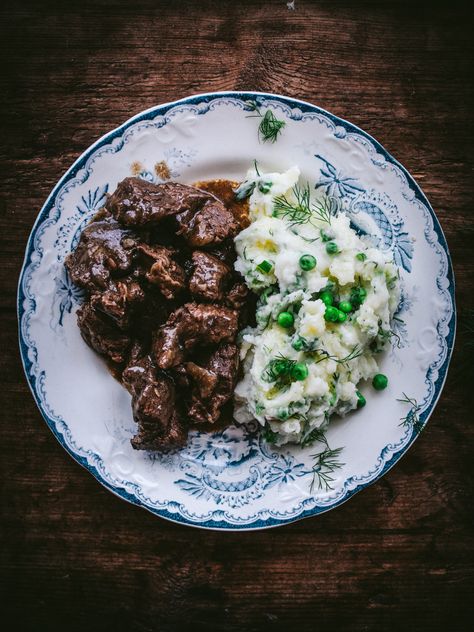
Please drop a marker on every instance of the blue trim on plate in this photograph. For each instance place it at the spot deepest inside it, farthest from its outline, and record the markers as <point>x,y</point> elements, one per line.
<point>79,164</point>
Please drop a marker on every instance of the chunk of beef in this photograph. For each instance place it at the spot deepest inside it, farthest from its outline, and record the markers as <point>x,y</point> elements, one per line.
<point>190,374</point>
<point>190,326</point>
<point>102,335</point>
<point>119,301</point>
<point>209,277</point>
<point>162,270</point>
<point>137,202</point>
<point>237,296</point>
<point>153,406</point>
<point>105,247</point>
<point>212,223</point>
<point>212,384</point>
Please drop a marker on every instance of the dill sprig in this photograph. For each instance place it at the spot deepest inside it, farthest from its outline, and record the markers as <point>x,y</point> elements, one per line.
<point>412,420</point>
<point>270,126</point>
<point>279,370</point>
<point>325,464</point>
<point>302,210</point>
<point>386,335</point>
<point>355,353</point>
<point>312,436</point>
<point>326,208</point>
<point>298,212</point>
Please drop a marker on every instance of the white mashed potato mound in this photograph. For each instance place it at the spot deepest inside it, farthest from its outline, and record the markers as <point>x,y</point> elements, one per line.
<point>297,374</point>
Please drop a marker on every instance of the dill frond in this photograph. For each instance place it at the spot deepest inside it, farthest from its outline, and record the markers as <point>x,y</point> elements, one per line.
<point>325,464</point>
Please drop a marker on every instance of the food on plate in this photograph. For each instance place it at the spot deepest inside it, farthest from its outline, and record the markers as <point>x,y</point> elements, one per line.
<point>260,294</point>
<point>327,297</point>
<point>164,302</point>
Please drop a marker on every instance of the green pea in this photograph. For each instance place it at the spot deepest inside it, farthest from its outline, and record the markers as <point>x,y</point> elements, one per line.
<point>327,298</point>
<point>361,256</point>
<point>361,401</point>
<point>264,266</point>
<point>285,320</point>
<point>324,236</point>
<point>331,248</point>
<point>331,314</point>
<point>380,382</point>
<point>345,306</point>
<point>299,371</point>
<point>307,262</point>
<point>341,317</point>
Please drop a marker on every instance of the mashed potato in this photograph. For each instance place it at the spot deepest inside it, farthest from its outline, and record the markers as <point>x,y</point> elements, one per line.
<point>326,299</point>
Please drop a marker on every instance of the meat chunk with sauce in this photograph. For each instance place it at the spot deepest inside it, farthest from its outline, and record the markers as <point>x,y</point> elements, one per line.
<point>209,277</point>
<point>136,202</point>
<point>237,296</point>
<point>104,248</point>
<point>202,218</point>
<point>162,270</point>
<point>190,326</point>
<point>212,383</point>
<point>102,334</point>
<point>154,407</point>
<point>212,223</point>
<point>152,248</point>
<point>119,301</point>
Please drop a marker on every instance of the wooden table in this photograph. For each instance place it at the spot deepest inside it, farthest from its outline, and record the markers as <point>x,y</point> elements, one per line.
<point>398,556</point>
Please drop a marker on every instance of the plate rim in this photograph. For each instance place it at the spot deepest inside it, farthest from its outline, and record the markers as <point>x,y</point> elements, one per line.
<point>213,524</point>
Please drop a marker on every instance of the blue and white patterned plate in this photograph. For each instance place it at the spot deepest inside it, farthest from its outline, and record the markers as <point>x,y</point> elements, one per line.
<point>231,479</point>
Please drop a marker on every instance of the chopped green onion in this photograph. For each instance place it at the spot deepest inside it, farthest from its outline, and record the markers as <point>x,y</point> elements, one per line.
<point>264,266</point>
<point>298,344</point>
<point>264,187</point>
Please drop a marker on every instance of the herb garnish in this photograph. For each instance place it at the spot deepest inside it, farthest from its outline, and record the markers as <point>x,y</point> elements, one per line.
<point>302,210</point>
<point>270,126</point>
<point>279,370</point>
<point>412,419</point>
<point>355,353</point>
<point>325,464</point>
<point>386,335</point>
<point>314,435</point>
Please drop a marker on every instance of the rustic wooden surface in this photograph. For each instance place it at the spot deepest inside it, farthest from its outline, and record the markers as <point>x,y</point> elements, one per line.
<point>398,556</point>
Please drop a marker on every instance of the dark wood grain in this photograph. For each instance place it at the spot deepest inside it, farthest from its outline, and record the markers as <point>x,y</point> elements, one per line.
<point>398,556</point>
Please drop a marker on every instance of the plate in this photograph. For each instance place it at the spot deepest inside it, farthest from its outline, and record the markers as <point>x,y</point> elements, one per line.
<point>231,479</point>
